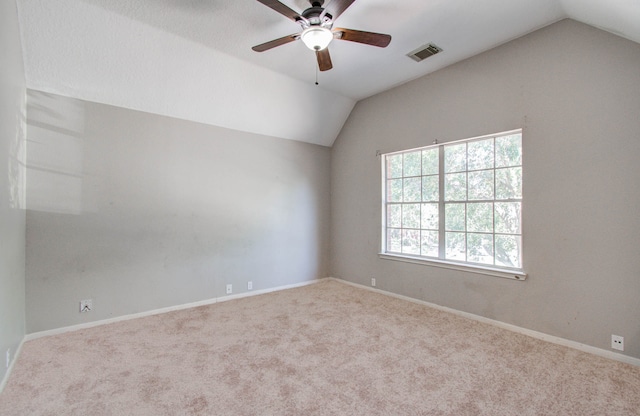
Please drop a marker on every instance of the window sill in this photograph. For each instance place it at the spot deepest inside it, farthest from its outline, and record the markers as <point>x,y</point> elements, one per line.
<point>507,274</point>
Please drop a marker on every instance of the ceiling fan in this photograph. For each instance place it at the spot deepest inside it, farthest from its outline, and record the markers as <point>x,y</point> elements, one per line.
<point>317,29</point>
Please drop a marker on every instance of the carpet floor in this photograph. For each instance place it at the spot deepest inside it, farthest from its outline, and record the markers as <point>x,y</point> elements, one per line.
<point>323,349</point>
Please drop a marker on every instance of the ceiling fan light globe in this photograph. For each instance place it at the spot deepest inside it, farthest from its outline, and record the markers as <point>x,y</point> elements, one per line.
<point>316,38</point>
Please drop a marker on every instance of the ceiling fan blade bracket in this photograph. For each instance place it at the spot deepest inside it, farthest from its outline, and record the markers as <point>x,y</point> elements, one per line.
<point>303,21</point>
<point>326,16</point>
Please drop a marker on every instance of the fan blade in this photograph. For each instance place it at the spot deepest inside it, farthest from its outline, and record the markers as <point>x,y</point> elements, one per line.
<point>324,59</point>
<point>336,7</point>
<point>368,38</point>
<point>276,42</point>
<point>282,9</point>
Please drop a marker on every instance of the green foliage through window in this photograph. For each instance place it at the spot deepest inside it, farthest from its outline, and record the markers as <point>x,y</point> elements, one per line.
<point>458,202</point>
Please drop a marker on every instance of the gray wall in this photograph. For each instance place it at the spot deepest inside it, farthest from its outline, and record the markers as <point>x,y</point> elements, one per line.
<point>12,182</point>
<point>139,211</point>
<point>575,91</point>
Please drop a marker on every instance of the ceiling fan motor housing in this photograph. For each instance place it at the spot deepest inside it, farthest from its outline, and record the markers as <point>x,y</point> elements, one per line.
<point>314,17</point>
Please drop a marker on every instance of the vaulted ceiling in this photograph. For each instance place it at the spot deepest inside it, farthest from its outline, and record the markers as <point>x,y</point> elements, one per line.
<point>192,59</point>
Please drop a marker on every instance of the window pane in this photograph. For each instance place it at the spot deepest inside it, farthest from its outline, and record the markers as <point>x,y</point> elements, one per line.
<point>480,154</point>
<point>430,188</point>
<point>429,243</point>
<point>479,196</point>
<point>509,150</point>
<point>509,183</point>
<point>508,250</point>
<point>394,216</point>
<point>455,217</point>
<point>394,166</point>
<point>430,161</point>
<point>480,217</point>
<point>480,248</point>
<point>394,190</point>
<point>455,187</point>
<point>455,158</point>
<point>412,190</point>
<point>411,216</point>
<point>394,240</point>
<point>481,185</point>
<point>455,246</point>
<point>411,242</point>
<point>429,217</point>
<point>508,217</point>
<point>412,164</point>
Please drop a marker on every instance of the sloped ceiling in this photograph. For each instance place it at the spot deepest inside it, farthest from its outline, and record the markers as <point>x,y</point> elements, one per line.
<point>192,59</point>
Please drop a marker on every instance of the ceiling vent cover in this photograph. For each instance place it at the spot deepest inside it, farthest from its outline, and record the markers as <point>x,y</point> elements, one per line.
<point>423,52</point>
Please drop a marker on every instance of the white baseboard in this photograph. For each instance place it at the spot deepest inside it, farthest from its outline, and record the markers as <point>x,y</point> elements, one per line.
<point>211,301</point>
<point>5,379</point>
<point>535,334</point>
<point>524,331</point>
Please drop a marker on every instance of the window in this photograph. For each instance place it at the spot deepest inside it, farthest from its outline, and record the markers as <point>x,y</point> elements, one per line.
<point>456,203</point>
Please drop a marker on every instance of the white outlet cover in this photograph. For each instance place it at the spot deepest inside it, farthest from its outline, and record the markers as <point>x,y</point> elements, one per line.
<point>229,289</point>
<point>249,285</point>
<point>617,342</point>
<point>8,357</point>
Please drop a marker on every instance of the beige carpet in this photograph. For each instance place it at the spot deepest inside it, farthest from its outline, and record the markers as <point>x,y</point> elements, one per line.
<point>324,349</point>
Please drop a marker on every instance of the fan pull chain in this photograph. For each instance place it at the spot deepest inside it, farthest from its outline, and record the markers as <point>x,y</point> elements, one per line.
<point>316,74</point>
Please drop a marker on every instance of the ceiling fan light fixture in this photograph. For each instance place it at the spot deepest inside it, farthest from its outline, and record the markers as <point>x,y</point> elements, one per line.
<point>316,37</point>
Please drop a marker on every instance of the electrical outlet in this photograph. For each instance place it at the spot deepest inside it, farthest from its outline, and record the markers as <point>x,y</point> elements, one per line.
<point>229,289</point>
<point>86,305</point>
<point>373,281</point>
<point>249,285</point>
<point>617,342</point>
<point>8,357</point>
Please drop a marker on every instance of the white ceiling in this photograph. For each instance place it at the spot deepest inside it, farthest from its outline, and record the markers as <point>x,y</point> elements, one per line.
<point>192,59</point>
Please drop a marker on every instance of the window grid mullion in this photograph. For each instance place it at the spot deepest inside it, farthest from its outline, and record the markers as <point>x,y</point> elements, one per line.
<point>420,202</point>
<point>441,206</point>
<point>493,204</point>
<point>466,203</point>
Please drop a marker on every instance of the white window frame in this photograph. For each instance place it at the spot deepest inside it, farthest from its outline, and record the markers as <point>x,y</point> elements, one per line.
<point>504,272</point>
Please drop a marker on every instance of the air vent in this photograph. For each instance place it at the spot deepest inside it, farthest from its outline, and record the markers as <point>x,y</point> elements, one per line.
<point>423,52</point>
